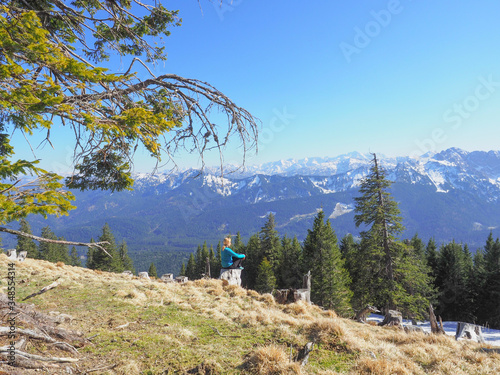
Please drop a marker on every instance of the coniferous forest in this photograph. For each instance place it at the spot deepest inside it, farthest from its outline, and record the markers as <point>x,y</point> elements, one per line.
<point>377,268</point>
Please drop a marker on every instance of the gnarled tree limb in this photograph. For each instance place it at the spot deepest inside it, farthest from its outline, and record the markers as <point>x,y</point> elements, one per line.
<point>62,242</point>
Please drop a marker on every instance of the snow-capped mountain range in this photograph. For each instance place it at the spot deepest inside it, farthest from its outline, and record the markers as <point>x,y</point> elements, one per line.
<point>475,172</point>
<point>450,195</point>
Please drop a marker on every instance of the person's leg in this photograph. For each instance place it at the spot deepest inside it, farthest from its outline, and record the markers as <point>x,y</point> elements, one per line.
<point>236,263</point>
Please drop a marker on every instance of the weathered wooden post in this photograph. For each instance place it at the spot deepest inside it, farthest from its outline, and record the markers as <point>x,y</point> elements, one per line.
<point>207,268</point>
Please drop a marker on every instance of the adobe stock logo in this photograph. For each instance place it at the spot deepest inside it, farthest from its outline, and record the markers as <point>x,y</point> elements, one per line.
<point>364,36</point>
<point>455,116</point>
<point>224,6</point>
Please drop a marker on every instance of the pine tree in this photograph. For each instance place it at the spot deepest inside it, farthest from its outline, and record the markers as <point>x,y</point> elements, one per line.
<point>212,260</point>
<point>25,243</point>
<point>418,246</point>
<point>217,266</point>
<point>89,262</point>
<point>101,260</point>
<point>252,261</point>
<point>452,283</point>
<point>62,252</point>
<point>74,259</point>
<point>329,279</point>
<point>491,295</point>
<point>265,281</point>
<point>431,255</point>
<point>389,274</point>
<point>349,250</point>
<point>53,252</point>
<point>46,249</point>
<point>182,272</point>
<point>152,270</point>
<point>238,243</point>
<point>270,243</point>
<point>201,260</point>
<point>290,270</point>
<point>477,286</point>
<point>128,264</point>
<point>191,268</point>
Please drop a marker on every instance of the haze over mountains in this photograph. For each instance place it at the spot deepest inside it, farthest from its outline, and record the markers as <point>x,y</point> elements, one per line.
<point>449,195</point>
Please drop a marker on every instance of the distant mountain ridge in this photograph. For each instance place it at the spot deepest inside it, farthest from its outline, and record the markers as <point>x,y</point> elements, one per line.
<point>450,195</point>
<point>477,172</point>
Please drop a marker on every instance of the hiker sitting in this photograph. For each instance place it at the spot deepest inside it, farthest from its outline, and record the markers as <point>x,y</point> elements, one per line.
<point>230,259</point>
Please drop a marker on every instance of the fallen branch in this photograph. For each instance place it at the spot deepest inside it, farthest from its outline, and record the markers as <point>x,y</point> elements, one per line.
<point>6,349</point>
<point>45,289</point>
<point>61,242</point>
<point>4,331</point>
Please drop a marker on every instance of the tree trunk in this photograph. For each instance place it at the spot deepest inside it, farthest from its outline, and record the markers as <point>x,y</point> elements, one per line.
<point>435,327</point>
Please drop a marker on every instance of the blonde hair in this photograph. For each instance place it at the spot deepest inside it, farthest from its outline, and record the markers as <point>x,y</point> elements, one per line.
<point>227,241</point>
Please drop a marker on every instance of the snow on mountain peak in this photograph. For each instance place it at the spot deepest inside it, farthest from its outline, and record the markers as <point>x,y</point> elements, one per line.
<point>454,168</point>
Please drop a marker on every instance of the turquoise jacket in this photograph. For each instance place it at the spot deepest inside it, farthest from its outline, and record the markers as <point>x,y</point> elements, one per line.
<point>227,256</point>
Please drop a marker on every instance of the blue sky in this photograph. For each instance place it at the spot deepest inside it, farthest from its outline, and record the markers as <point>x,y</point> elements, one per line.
<point>329,77</point>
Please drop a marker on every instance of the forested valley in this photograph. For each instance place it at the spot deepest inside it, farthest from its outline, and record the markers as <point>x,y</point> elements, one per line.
<point>349,273</point>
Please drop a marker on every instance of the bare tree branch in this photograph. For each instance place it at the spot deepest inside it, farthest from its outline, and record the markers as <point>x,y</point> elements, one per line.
<point>62,242</point>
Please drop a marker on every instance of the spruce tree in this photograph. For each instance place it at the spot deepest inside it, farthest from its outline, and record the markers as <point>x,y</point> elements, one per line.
<point>191,268</point>
<point>238,243</point>
<point>270,243</point>
<point>89,262</point>
<point>217,266</point>
<point>329,278</point>
<point>252,262</point>
<point>74,259</point>
<point>349,250</point>
<point>477,285</point>
<point>431,255</point>
<point>452,283</point>
<point>25,243</point>
<point>152,270</point>
<point>418,247</point>
<point>101,260</point>
<point>265,281</point>
<point>389,273</point>
<point>290,270</point>
<point>201,260</point>
<point>491,295</point>
<point>62,252</point>
<point>128,264</point>
<point>53,252</point>
<point>212,260</point>
<point>182,272</point>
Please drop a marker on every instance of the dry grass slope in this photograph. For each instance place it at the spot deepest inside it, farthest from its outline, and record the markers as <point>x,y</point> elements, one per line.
<point>204,327</point>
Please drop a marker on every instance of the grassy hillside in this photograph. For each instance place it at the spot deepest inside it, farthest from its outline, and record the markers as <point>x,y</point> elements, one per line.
<point>203,327</point>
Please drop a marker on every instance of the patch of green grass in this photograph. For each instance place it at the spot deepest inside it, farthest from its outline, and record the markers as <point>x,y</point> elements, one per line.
<point>324,359</point>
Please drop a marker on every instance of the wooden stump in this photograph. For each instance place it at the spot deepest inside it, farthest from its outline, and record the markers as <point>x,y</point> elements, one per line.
<point>469,331</point>
<point>392,318</point>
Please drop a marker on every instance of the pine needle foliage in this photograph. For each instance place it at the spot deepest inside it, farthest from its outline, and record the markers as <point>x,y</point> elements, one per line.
<point>330,280</point>
<point>389,274</point>
<point>55,59</point>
